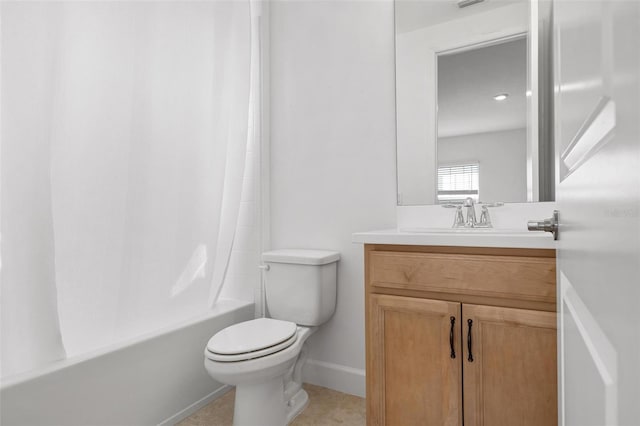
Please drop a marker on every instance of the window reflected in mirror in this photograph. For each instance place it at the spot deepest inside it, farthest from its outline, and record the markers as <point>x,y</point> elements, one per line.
<point>456,182</point>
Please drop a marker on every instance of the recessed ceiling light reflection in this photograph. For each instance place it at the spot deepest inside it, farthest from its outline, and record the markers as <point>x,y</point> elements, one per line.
<point>501,97</point>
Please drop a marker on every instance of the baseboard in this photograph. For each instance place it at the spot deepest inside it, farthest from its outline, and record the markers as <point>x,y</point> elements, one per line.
<point>335,376</point>
<point>183,414</point>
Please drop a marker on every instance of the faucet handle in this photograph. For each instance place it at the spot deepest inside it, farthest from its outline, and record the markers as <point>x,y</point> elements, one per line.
<point>458,219</point>
<point>485,219</point>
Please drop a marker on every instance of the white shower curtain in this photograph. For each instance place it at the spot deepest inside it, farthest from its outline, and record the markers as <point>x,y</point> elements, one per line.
<point>124,131</point>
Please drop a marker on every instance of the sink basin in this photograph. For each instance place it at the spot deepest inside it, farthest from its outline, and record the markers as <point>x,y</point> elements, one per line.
<point>493,231</point>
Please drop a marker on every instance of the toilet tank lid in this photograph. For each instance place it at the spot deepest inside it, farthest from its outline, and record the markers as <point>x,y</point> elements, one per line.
<point>301,256</point>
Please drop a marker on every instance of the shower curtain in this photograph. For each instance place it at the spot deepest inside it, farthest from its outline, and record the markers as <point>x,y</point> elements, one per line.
<point>124,130</point>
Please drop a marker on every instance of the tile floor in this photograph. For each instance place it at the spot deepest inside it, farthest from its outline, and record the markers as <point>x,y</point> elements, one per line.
<point>326,407</point>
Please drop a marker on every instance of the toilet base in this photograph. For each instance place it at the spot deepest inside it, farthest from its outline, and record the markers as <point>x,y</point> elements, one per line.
<point>264,404</point>
<point>260,404</point>
<point>297,404</point>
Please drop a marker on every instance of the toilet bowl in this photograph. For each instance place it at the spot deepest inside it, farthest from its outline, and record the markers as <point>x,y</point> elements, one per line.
<point>269,386</point>
<point>263,358</point>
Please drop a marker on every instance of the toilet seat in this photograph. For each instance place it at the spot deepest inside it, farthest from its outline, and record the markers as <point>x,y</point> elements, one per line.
<point>251,339</point>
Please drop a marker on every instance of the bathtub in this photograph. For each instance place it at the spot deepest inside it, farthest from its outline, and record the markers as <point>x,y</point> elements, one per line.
<point>157,379</point>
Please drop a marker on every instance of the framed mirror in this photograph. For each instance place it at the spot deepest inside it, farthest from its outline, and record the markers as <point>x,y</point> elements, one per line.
<point>473,103</point>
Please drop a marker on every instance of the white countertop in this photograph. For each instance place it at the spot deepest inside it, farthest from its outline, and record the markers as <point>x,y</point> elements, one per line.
<point>458,237</point>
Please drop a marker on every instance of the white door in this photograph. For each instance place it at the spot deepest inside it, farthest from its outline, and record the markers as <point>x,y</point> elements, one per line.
<point>597,122</point>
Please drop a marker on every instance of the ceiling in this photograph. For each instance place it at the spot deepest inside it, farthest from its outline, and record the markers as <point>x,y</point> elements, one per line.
<point>468,81</point>
<point>414,14</point>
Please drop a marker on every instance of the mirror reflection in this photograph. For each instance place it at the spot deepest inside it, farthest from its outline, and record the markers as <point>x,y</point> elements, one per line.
<point>470,84</point>
<point>482,123</point>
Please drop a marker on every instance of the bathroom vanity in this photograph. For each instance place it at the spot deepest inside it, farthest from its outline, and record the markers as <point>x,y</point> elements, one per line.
<point>461,323</point>
<point>459,332</point>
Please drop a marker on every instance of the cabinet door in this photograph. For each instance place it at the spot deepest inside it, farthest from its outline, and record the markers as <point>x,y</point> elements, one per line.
<point>413,378</point>
<point>510,372</point>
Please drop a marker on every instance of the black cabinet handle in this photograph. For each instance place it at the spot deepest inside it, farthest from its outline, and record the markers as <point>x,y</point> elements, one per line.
<point>470,358</point>
<point>453,323</point>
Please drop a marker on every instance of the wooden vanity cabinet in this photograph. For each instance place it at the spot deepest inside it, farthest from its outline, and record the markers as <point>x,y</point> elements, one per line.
<point>512,379</point>
<point>421,303</point>
<point>410,380</point>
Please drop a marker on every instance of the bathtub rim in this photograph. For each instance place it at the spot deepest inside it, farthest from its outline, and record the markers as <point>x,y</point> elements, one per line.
<point>222,306</point>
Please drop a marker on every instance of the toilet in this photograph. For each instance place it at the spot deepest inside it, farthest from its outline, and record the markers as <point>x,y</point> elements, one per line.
<point>263,358</point>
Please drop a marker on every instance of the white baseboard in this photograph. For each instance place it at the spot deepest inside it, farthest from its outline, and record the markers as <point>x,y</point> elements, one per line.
<point>335,376</point>
<point>183,414</point>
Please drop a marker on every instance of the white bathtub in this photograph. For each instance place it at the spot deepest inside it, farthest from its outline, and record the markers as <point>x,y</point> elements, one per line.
<point>156,379</point>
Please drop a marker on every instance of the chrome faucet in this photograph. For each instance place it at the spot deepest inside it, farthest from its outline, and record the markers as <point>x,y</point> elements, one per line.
<point>471,213</point>
<point>459,220</point>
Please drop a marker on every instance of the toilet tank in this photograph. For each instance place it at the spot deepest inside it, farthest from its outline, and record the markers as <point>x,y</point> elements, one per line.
<point>300,285</point>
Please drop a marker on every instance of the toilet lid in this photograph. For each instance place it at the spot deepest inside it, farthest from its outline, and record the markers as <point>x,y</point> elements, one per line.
<point>252,355</point>
<point>252,336</point>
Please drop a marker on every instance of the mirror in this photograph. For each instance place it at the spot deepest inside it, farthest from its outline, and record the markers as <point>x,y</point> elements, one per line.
<point>473,102</point>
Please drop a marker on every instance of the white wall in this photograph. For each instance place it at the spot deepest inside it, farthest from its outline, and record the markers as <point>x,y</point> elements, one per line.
<point>502,157</point>
<point>333,154</point>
